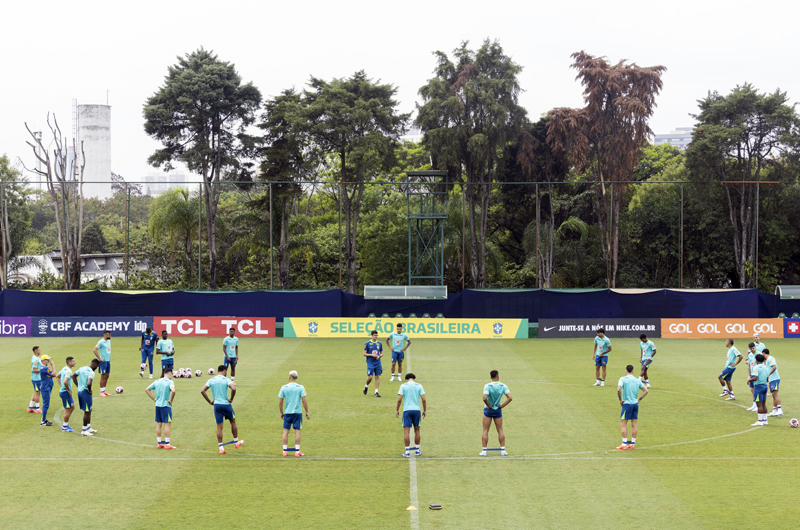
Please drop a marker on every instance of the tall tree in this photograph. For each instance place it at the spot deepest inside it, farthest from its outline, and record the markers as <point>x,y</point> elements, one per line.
<point>470,116</point>
<point>15,216</point>
<point>200,115</point>
<point>604,139</point>
<point>739,138</point>
<point>173,215</point>
<point>357,120</point>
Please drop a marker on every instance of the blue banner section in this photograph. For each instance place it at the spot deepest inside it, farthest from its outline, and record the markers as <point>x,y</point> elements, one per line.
<point>89,326</point>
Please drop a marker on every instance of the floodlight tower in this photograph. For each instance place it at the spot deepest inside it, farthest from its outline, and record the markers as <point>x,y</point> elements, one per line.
<point>426,199</point>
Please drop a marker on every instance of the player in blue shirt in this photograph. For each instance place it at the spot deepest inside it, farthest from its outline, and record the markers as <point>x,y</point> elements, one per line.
<point>648,352</point>
<point>166,349</point>
<point>759,375</point>
<point>751,362</point>
<point>47,374</point>
<point>773,381</point>
<point>230,350</point>
<point>84,378</point>
<point>147,347</point>
<point>103,353</point>
<point>65,393</point>
<point>395,341</point>
<point>757,341</point>
<point>628,395</point>
<point>493,411</point>
<point>223,409</point>
<point>164,389</point>
<point>602,345</point>
<point>732,359</point>
<point>292,415</point>
<point>36,380</point>
<point>373,351</point>
<point>409,395</point>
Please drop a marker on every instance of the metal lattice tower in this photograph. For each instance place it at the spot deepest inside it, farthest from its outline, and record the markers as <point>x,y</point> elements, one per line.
<point>426,195</point>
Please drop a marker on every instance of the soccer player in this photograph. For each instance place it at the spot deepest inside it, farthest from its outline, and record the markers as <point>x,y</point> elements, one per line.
<point>759,375</point>
<point>395,341</point>
<point>166,349</point>
<point>493,411</point>
<point>147,347</point>
<point>47,373</point>
<point>373,351</point>
<point>774,381</point>
<point>230,349</point>
<point>84,378</point>
<point>648,352</point>
<point>292,415</point>
<point>733,358</point>
<point>164,389</point>
<point>409,395</point>
<point>36,380</point>
<point>65,393</point>
<point>602,345</point>
<point>751,362</point>
<point>628,394</point>
<point>759,345</point>
<point>103,353</point>
<point>223,409</point>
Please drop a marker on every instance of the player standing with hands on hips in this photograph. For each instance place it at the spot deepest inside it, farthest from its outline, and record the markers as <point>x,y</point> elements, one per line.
<point>602,345</point>
<point>493,411</point>
<point>103,353</point>
<point>395,342</point>
<point>230,349</point>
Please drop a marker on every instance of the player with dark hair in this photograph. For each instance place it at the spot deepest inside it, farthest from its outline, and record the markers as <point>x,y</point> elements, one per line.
<point>602,346</point>
<point>230,350</point>
<point>48,374</point>
<point>493,411</point>
<point>373,351</point>
<point>292,415</point>
<point>774,382</point>
<point>395,341</point>
<point>103,353</point>
<point>628,394</point>
<point>759,375</point>
<point>223,409</point>
<point>84,378</point>
<point>733,359</point>
<point>166,349</point>
<point>648,352</point>
<point>65,393</point>
<point>751,362</point>
<point>164,389</point>
<point>409,395</point>
<point>36,381</point>
<point>147,347</point>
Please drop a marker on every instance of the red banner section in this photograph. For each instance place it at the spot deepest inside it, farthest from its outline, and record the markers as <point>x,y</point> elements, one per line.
<point>215,326</point>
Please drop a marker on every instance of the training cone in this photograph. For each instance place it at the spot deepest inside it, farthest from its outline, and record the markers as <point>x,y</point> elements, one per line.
<point>410,508</point>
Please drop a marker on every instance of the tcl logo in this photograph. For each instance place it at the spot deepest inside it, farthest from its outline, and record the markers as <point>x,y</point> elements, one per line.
<point>216,326</point>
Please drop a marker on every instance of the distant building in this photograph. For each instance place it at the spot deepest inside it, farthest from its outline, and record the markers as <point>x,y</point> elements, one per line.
<point>94,130</point>
<point>156,184</point>
<point>93,266</point>
<point>680,137</point>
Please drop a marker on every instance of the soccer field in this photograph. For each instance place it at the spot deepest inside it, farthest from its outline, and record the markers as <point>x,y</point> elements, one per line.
<point>698,463</point>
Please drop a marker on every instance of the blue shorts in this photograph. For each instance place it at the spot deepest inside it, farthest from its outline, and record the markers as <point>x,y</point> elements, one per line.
<point>37,385</point>
<point>630,411</point>
<point>233,361</point>
<point>85,401</point>
<point>374,368</point>
<point>167,362</point>
<point>164,415</point>
<point>773,385</point>
<point>223,412</point>
<point>760,393</point>
<point>398,356</point>
<point>751,383</point>
<point>493,413</point>
<point>147,356</point>
<point>66,399</point>
<point>411,418</point>
<point>727,373</point>
<point>600,360</point>
<point>647,362</point>
<point>293,421</point>
<point>105,367</point>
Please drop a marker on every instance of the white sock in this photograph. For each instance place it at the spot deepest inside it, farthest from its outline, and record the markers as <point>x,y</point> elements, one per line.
<point>220,446</point>
<point>166,440</point>
<point>236,439</point>
<point>484,449</point>
<point>37,405</point>
<point>65,424</point>
<point>417,447</point>
<point>102,389</point>
<point>624,441</point>
<point>85,428</point>
<point>233,378</point>
<point>30,405</point>
<point>376,390</point>
<point>158,439</point>
<point>285,447</point>
<point>502,447</point>
<point>89,426</point>
<point>406,449</point>
<point>633,440</point>
<point>296,447</point>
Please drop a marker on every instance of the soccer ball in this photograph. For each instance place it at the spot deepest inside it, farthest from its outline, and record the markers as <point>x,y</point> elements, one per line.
<point>198,373</point>
<point>178,373</point>
<point>119,390</point>
<point>187,371</point>
<point>143,366</point>
<point>794,423</point>
<point>210,371</point>
<point>187,374</point>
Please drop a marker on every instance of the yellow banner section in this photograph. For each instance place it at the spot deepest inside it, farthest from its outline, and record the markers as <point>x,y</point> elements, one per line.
<point>415,328</point>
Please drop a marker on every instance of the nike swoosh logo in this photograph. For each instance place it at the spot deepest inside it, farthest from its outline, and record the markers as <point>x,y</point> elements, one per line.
<point>548,329</point>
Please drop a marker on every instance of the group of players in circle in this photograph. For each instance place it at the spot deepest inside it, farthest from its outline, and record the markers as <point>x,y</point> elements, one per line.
<point>762,371</point>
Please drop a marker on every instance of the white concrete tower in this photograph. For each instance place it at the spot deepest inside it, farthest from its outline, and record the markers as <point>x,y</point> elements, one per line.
<point>94,130</point>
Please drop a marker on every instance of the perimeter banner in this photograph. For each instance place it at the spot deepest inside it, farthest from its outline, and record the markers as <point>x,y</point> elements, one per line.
<point>89,326</point>
<point>576,328</point>
<point>721,328</point>
<point>215,326</point>
<point>431,328</point>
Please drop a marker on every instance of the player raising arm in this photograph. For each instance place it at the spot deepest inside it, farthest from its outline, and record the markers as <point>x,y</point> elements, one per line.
<point>602,346</point>
<point>103,353</point>
<point>230,349</point>
<point>164,389</point>
<point>292,415</point>
<point>492,394</point>
<point>732,359</point>
<point>223,409</point>
<point>409,395</point>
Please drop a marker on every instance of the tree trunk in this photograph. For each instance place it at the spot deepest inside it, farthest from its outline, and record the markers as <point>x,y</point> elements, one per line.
<point>283,246</point>
<point>617,194</point>
<point>473,242</point>
<point>212,191</point>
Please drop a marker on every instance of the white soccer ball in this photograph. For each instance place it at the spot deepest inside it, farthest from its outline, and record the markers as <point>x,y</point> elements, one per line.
<point>794,423</point>
<point>188,375</point>
<point>119,390</point>
<point>177,374</point>
<point>143,366</point>
<point>198,373</point>
<point>210,371</point>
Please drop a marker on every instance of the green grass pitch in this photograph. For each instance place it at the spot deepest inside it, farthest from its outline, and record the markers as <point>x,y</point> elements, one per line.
<point>698,462</point>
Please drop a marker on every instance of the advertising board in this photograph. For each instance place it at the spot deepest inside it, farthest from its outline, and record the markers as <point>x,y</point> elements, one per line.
<point>565,328</point>
<point>215,326</point>
<point>15,326</point>
<point>431,328</point>
<point>721,328</point>
<point>89,326</point>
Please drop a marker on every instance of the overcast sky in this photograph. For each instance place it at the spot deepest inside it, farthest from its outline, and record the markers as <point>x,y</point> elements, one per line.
<point>53,52</point>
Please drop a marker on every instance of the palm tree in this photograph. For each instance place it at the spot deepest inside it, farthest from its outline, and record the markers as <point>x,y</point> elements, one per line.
<point>174,215</point>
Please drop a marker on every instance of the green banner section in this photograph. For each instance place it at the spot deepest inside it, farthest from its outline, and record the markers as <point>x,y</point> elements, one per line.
<point>432,328</point>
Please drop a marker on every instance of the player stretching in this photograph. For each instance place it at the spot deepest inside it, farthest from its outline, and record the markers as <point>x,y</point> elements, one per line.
<point>759,376</point>
<point>648,352</point>
<point>292,414</point>
<point>774,381</point>
<point>373,351</point>
<point>166,349</point>
<point>757,341</point>
<point>230,349</point>
<point>628,394</point>
<point>147,347</point>
<point>36,380</point>
<point>164,389</point>
<point>730,366</point>
<point>84,378</point>
<point>409,395</point>
<point>103,353</point>
<point>47,374</point>
<point>65,393</point>
<point>395,342</point>
<point>492,394</point>
<point>223,410</point>
<point>751,362</point>
<point>600,356</point>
